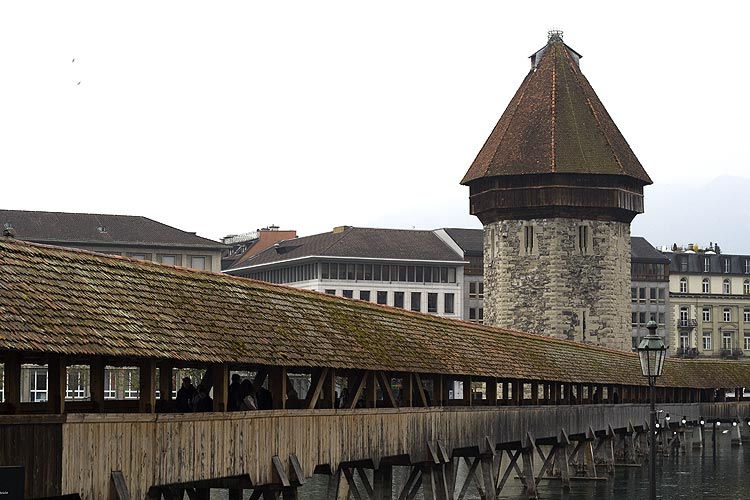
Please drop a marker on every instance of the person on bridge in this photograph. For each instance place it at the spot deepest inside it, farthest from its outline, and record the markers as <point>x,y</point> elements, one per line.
<point>185,396</point>
<point>247,391</point>
<point>234,396</point>
<point>202,402</point>
<point>263,398</point>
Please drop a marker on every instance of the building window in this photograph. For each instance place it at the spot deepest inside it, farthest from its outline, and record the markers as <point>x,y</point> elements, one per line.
<point>634,319</point>
<point>75,387</point>
<point>139,256</point>
<point>683,285</point>
<point>481,290</point>
<point>472,314</point>
<point>38,385</point>
<point>662,294</point>
<point>110,384</point>
<point>726,340</point>
<point>416,301</point>
<point>472,289</point>
<point>633,294</point>
<point>432,301</point>
<point>747,342</point>
<point>170,260</point>
<point>747,266</point>
<point>684,344</point>
<point>683,316</point>
<point>481,315</point>
<point>583,240</point>
<point>642,318</point>
<point>382,297</point>
<point>398,299</point>
<point>683,263</point>
<point>727,266</point>
<point>746,287</point>
<point>349,294</point>
<point>364,295</point>
<point>706,314</point>
<point>330,291</point>
<point>198,263</point>
<point>706,265</point>
<point>528,239</point>
<point>652,294</point>
<point>661,319</point>
<point>707,341</point>
<point>449,303</point>
<point>726,287</point>
<point>641,295</point>
<point>131,383</point>
<point>706,285</point>
<point>727,315</point>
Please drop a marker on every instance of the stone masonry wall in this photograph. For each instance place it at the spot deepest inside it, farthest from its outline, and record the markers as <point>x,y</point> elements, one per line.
<point>555,287</point>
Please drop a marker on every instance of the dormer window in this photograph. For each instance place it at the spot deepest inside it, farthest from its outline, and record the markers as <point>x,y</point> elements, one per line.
<point>727,266</point>
<point>706,264</point>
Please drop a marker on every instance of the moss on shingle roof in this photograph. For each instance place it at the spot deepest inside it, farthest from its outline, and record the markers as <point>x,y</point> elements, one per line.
<point>55,300</point>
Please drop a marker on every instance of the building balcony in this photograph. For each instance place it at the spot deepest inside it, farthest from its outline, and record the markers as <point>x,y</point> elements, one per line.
<point>687,352</point>
<point>687,323</point>
<point>731,353</point>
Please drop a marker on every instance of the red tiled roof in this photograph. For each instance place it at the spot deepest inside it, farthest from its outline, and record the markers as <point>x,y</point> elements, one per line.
<point>56,300</point>
<point>555,123</point>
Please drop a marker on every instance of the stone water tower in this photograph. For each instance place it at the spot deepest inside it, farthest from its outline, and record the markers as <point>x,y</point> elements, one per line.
<point>556,186</point>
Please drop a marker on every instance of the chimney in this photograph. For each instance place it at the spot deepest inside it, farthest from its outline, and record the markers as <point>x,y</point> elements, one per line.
<point>340,229</point>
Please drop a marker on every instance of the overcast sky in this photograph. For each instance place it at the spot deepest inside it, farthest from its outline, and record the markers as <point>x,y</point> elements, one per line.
<point>223,117</point>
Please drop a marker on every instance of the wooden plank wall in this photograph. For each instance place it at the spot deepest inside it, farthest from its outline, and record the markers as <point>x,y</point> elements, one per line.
<point>165,449</point>
<point>38,447</point>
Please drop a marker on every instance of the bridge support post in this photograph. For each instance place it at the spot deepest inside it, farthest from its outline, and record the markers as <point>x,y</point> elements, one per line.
<point>562,458</point>
<point>605,450</point>
<point>736,433</point>
<point>697,436</point>
<point>383,482</point>
<point>527,455</point>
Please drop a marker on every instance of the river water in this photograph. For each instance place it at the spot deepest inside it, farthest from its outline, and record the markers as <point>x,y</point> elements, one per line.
<point>719,472</point>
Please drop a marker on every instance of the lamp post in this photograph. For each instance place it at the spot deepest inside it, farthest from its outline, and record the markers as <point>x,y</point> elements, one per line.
<point>652,352</point>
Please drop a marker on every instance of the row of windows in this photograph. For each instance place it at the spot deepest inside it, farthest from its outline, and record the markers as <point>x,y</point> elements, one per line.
<point>642,318</point>
<point>530,234</point>
<point>287,274</point>
<point>398,299</point>
<point>648,272</point>
<point>706,315</point>
<point>200,262</point>
<point>648,294</point>
<point>728,341</point>
<point>476,290</point>
<point>726,286</point>
<point>378,272</point>
<point>726,264</point>
<point>476,314</point>
<point>119,383</point>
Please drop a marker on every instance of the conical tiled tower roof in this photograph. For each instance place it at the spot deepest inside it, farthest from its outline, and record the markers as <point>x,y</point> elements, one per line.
<point>555,124</point>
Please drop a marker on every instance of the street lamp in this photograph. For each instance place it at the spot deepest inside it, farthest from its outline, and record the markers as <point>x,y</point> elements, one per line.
<point>652,352</point>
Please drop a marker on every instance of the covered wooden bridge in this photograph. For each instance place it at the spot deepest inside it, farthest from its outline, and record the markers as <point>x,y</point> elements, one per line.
<point>422,390</point>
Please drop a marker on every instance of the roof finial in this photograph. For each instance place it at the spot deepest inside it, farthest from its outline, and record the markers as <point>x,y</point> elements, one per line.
<point>554,35</point>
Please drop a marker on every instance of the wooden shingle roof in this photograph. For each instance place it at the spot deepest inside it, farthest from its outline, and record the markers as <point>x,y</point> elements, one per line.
<point>55,300</point>
<point>555,123</point>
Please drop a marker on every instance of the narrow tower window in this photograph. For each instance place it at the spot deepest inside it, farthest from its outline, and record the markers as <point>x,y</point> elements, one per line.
<point>529,240</point>
<point>584,243</point>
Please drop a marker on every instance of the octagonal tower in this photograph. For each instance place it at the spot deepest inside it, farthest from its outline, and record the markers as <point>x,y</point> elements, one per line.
<point>556,186</point>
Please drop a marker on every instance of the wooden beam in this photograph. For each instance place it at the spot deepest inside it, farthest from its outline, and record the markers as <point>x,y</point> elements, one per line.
<point>96,383</point>
<point>468,396</point>
<point>118,488</point>
<point>12,376</point>
<point>316,388</point>
<point>535,393</point>
<point>220,377</point>
<point>491,391</point>
<point>407,390</point>
<point>421,394</point>
<point>277,386</point>
<point>279,472</point>
<point>260,376</point>
<point>371,389</point>
<point>147,387</point>
<point>165,381</point>
<point>356,385</point>
<point>385,388</point>
<point>57,380</point>
<point>294,466</point>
